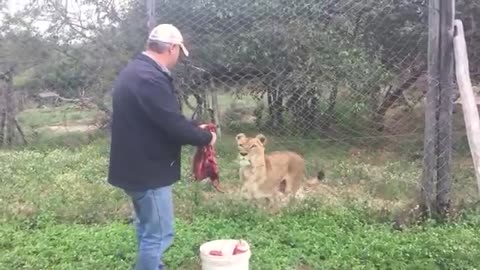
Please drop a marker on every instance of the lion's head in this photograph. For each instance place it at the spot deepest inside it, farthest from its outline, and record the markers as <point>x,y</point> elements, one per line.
<point>251,149</point>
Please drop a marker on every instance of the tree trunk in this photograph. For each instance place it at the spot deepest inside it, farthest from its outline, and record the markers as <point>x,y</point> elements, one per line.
<point>198,113</point>
<point>151,16</point>
<point>393,96</point>
<point>20,131</point>
<point>270,106</point>
<point>3,116</point>
<point>275,107</point>
<point>8,121</point>
<point>310,110</point>
<point>329,115</point>
<point>313,108</point>
<point>10,110</point>
<point>216,111</point>
<point>3,112</point>
<point>294,108</point>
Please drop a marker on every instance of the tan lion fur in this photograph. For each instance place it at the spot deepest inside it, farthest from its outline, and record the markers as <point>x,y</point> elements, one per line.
<point>269,176</point>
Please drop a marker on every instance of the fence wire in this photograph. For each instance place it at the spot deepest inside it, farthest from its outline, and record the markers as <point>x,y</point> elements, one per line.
<point>343,82</point>
<point>317,77</point>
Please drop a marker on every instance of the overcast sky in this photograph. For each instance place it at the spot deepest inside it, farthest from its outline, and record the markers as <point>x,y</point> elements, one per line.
<point>73,7</point>
<point>17,5</point>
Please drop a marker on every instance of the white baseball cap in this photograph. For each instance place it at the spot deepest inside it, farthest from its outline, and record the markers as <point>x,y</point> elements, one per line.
<point>169,34</point>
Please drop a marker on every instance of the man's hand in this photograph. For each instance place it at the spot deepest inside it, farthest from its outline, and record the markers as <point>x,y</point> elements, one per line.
<point>214,135</point>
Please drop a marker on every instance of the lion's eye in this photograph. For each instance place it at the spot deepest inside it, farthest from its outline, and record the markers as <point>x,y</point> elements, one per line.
<point>241,145</point>
<point>253,146</point>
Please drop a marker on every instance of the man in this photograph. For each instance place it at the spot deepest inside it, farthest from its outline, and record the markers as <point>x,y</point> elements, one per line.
<point>148,131</point>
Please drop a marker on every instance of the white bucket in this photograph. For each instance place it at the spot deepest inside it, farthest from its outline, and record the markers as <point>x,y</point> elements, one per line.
<point>227,260</point>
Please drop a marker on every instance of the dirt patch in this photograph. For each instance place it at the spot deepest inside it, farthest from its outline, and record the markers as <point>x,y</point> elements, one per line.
<point>71,128</point>
<point>22,208</point>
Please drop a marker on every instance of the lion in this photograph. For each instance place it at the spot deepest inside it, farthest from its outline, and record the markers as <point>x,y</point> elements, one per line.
<point>273,176</point>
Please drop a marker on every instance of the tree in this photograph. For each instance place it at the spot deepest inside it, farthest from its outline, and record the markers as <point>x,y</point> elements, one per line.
<point>303,55</point>
<point>20,50</point>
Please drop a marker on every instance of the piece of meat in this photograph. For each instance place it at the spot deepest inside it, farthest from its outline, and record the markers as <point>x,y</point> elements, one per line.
<point>216,253</point>
<point>240,248</point>
<point>205,162</point>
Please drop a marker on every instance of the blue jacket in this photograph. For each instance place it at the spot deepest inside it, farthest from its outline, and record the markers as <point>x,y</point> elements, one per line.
<point>148,128</point>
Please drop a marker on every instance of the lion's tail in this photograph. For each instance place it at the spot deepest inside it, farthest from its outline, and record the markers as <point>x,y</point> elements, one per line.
<point>316,183</point>
<point>320,175</point>
<point>315,180</point>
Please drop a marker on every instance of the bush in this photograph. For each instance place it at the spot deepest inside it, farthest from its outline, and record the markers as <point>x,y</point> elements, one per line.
<point>239,117</point>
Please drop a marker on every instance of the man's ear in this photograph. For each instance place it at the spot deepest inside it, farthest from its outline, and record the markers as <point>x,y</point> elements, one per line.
<point>262,138</point>
<point>240,136</point>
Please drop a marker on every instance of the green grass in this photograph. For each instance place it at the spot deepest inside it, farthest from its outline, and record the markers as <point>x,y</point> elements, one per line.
<point>68,114</point>
<point>311,235</point>
<point>58,212</point>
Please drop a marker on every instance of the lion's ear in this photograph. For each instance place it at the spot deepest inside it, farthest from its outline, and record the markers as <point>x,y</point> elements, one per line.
<point>262,138</point>
<point>240,136</point>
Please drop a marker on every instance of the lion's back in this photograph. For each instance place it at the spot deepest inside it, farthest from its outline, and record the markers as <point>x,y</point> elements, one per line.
<point>286,160</point>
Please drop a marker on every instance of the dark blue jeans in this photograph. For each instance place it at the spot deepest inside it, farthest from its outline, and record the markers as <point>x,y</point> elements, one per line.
<point>154,226</point>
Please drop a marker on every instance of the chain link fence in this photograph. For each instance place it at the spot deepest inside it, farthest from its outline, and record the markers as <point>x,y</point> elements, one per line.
<point>342,82</point>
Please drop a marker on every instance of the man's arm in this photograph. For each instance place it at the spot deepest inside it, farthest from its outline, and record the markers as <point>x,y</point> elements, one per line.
<point>160,104</point>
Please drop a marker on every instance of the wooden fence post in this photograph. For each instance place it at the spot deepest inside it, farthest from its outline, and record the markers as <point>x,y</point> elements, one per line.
<point>445,110</point>
<point>438,110</point>
<point>467,97</point>
<point>431,104</point>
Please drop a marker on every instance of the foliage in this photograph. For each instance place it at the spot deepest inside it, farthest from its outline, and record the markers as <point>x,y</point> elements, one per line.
<point>58,212</point>
<point>311,236</point>
<point>302,52</point>
<point>303,55</point>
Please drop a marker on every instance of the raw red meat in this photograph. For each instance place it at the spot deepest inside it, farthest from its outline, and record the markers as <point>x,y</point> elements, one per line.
<point>205,162</point>
<point>239,248</point>
<point>216,253</point>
